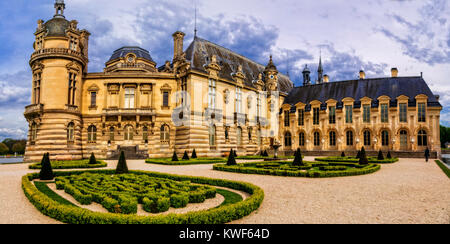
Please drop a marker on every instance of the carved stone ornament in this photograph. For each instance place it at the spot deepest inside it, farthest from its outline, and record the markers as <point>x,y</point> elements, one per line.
<point>226,96</point>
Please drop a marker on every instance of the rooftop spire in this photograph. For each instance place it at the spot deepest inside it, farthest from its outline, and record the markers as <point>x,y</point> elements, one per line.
<point>59,7</point>
<point>320,70</point>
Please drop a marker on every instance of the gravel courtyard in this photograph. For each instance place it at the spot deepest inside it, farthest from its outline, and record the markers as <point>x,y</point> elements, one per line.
<point>410,191</point>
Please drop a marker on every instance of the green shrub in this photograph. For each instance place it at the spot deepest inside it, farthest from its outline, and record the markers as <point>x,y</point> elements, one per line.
<point>175,157</point>
<point>380,155</point>
<point>46,170</point>
<point>194,154</point>
<point>92,159</point>
<point>179,200</point>
<point>185,156</point>
<point>122,167</point>
<point>75,164</point>
<point>298,160</point>
<point>231,158</point>
<point>363,157</point>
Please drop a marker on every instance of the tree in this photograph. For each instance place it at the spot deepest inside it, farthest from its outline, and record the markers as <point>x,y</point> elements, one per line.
<point>185,156</point>
<point>46,168</point>
<point>231,159</point>
<point>92,159</point>
<point>380,155</point>
<point>194,154</point>
<point>343,154</point>
<point>445,135</point>
<point>18,148</point>
<point>3,149</point>
<point>363,157</point>
<point>298,160</point>
<point>389,156</point>
<point>122,167</point>
<point>175,157</point>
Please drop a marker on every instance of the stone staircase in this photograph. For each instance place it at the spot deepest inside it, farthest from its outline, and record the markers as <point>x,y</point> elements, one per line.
<point>130,153</point>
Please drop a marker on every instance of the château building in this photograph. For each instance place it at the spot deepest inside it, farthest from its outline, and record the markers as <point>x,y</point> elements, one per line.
<point>210,99</point>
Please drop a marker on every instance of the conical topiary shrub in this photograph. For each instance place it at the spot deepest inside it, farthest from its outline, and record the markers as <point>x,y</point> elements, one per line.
<point>46,168</point>
<point>265,154</point>
<point>358,155</point>
<point>235,153</point>
<point>343,154</point>
<point>380,155</point>
<point>92,159</point>
<point>231,158</point>
<point>363,157</point>
<point>122,167</point>
<point>194,154</point>
<point>298,160</point>
<point>185,156</point>
<point>175,157</point>
<point>389,156</point>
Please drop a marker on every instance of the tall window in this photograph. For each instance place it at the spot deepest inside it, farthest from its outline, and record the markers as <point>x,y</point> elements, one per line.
<point>349,114</point>
<point>403,107</point>
<point>316,139</point>
<point>212,94</point>
<point>287,118</point>
<point>93,99</point>
<point>367,138</point>
<point>422,139</point>
<point>238,100</point>
<point>385,138</point>
<point>111,134</point>
<point>212,135</point>
<point>332,115</point>
<point>258,105</point>
<point>145,134</point>
<point>349,135</point>
<point>366,113</point>
<point>128,136</point>
<point>332,138</point>
<point>301,117</point>
<point>92,134</point>
<point>287,139</point>
<point>384,113</point>
<point>70,132</point>
<point>422,112</point>
<point>227,133</point>
<point>72,89</point>
<point>316,114</point>
<point>165,134</point>
<point>259,137</point>
<point>166,99</point>
<point>37,88</point>
<point>301,139</point>
<point>250,130</point>
<point>403,138</point>
<point>129,98</point>
<point>239,136</point>
<point>33,132</point>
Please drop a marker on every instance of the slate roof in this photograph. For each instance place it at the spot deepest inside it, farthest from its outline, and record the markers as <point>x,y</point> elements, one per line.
<point>57,26</point>
<point>139,52</point>
<point>357,89</point>
<point>200,52</point>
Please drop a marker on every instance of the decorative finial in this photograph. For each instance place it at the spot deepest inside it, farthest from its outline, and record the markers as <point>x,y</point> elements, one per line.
<point>59,7</point>
<point>195,21</point>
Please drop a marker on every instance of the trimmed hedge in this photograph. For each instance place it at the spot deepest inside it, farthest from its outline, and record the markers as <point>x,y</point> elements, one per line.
<point>192,161</point>
<point>310,170</point>
<point>76,164</point>
<point>75,215</point>
<point>372,160</point>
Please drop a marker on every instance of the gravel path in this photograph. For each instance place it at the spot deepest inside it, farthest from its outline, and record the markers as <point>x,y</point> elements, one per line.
<point>410,191</point>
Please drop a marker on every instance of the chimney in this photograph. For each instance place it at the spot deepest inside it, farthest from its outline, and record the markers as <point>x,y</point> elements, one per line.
<point>326,79</point>
<point>394,72</point>
<point>178,38</point>
<point>362,75</point>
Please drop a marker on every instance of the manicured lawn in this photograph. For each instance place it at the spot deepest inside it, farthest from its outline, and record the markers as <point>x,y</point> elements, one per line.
<point>42,186</point>
<point>230,197</point>
<point>77,164</point>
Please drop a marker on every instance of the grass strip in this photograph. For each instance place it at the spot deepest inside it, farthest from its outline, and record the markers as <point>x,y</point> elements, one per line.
<point>43,187</point>
<point>230,197</point>
<point>444,168</point>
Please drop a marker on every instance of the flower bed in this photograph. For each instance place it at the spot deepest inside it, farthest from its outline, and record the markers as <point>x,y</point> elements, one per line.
<point>126,203</point>
<point>77,164</point>
<point>310,169</point>
<point>373,160</point>
<point>168,161</point>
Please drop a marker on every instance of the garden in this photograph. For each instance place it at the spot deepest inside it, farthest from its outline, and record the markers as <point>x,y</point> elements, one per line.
<point>91,163</point>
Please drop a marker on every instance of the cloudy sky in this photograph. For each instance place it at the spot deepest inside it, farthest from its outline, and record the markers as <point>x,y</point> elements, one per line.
<point>373,35</point>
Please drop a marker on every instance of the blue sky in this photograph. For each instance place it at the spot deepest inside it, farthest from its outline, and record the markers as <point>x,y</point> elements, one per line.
<point>373,35</point>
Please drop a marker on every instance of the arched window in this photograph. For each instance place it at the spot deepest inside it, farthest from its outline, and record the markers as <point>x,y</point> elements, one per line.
<point>301,139</point>
<point>332,138</point>
<point>227,133</point>
<point>128,135</point>
<point>385,138</point>
<point>250,130</point>
<point>33,132</point>
<point>287,139</point>
<point>239,136</point>
<point>111,134</point>
<point>212,135</point>
<point>316,139</point>
<point>367,138</point>
<point>165,134</point>
<point>92,134</point>
<point>422,139</point>
<point>403,138</point>
<point>145,134</point>
<point>70,131</point>
<point>349,135</point>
